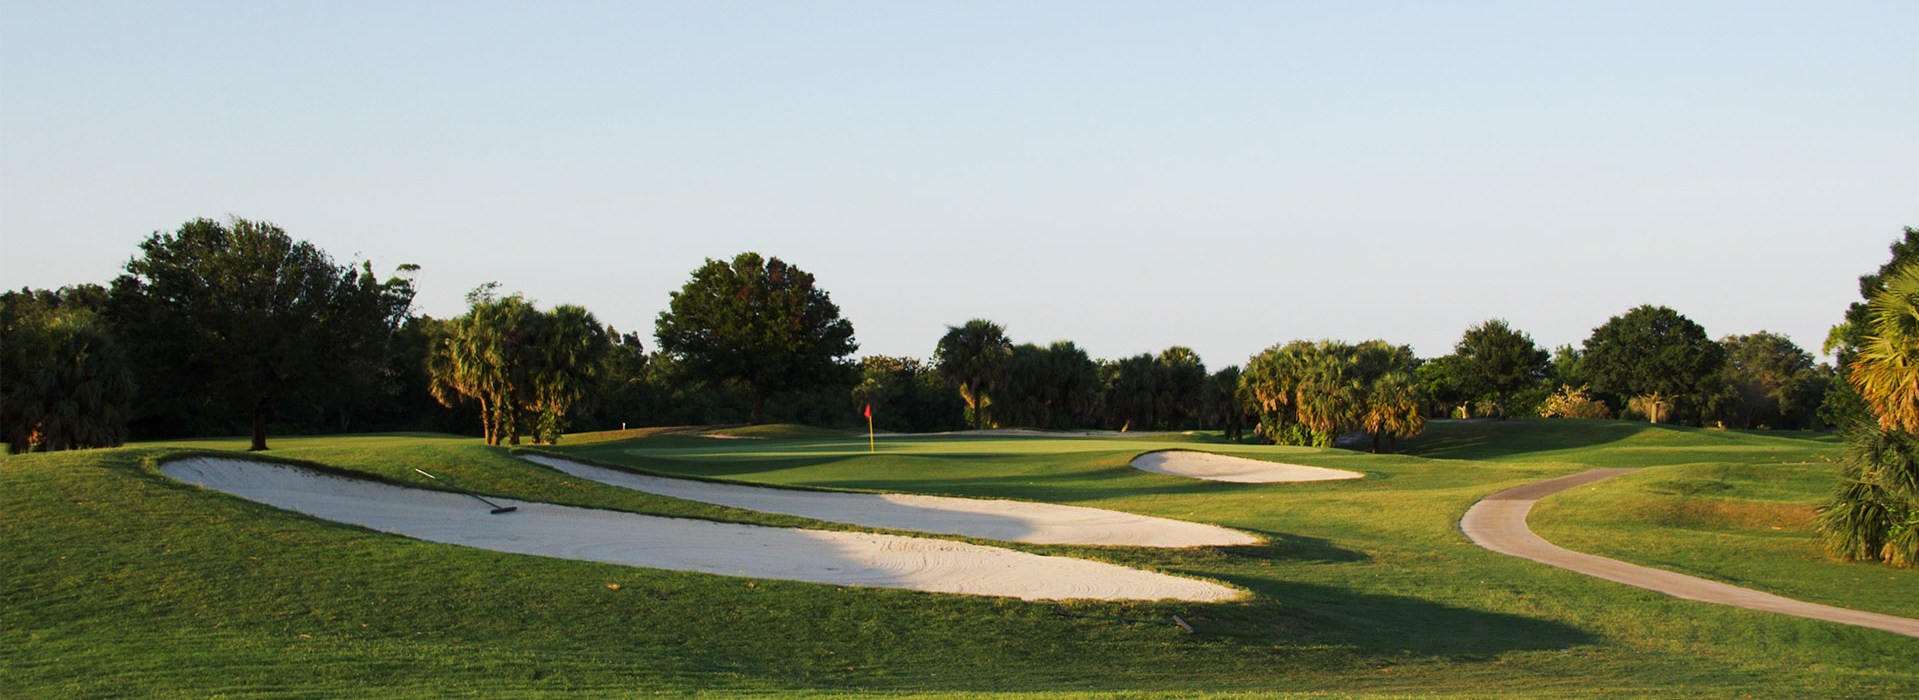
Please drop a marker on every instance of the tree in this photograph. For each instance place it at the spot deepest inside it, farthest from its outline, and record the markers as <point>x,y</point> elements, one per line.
<point>1221,405</point>
<point>1494,362</point>
<point>1131,391</point>
<point>1656,356</point>
<point>1056,386</point>
<point>1308,393</point>
<point>907,395</point>
<point>528,370</point>
<point>64,382</point>
<point>1885,370</point>
<point>1842,405</point>
<point>756,321</point>
<point>1182,379</point>
<point>1875,513</point>
<point>238,316</point>
<point>972,358</point>
<point>1393,409</point>
<point>1439,381</point>
<point>1772,382</point>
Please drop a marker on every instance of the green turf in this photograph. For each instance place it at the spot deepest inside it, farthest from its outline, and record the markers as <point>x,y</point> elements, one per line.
<point>119,581</point>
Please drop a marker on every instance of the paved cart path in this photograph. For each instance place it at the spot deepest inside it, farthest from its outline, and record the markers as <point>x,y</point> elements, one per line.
<point>1498,523</point>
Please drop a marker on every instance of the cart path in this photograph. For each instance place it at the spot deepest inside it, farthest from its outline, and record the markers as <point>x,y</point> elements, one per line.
<point>1498,523</point>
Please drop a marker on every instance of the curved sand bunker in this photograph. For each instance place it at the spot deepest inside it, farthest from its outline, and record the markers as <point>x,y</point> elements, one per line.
<point>1213,467</point>
<point>1013,521</point>
<point>541,529</point>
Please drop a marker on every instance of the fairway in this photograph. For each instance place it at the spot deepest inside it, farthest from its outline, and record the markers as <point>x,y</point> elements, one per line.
<point>124,580</point>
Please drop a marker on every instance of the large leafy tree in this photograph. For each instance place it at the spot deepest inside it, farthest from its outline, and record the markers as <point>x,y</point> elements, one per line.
<point>237,316</point>
<point>1773,383</point>
<point>1656,355</point>
<point>64,382</point>
<point>972,358</point>
<point>759,322</point>
<point>1493,362</point>
<point>528,370</point>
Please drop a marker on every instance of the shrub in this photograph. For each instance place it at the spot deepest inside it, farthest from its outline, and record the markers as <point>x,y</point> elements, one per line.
<point>1568,402</point>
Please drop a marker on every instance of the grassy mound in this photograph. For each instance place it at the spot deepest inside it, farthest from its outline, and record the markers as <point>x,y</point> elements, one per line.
<point>121,581</point>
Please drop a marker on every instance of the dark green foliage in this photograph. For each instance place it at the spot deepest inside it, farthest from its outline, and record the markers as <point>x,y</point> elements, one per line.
<point>64,381</point>
<point>1658,357</point>
<point>1182,381</point>
<point>972,358</point>
<point>1056,386</point>
<point>526,369</point>
<point>759,322</point>
<point>1132,392</point>
<point>1439,382</point>
<point>1495,364</point>
<point>1771,383</point>
<point>1874,515</point>
<point>907,396</point>
<point>1310,393</point>
<point>1568,368</point>
<point>1222,406</point>
<point>1842,405</point>
<point>233,319</point>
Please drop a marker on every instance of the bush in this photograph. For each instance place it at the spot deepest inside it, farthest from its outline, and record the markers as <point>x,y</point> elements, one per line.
<point>1568,402</point>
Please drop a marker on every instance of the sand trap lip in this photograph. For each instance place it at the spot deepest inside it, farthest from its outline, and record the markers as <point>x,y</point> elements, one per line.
<point>1217,467</point>
<point>1012,521</point>
<point>542,529</point>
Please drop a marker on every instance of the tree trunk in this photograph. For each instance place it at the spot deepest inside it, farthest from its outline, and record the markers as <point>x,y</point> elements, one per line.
<point>759,409</point>
<point>486,420</point>
<point>259,427</point>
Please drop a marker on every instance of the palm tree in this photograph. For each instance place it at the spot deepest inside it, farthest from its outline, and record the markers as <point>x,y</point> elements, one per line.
<point>1886,371</point>
<point>1875,513</point>
<point>973,358</point>
<point>566,362</point>
<point>1392,409</point>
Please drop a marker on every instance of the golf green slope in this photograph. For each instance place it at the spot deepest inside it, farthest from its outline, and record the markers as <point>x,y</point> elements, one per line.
<point>118,580</point>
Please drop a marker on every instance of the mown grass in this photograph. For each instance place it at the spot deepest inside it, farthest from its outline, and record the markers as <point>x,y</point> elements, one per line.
<point>1726,505</point>
<point>121,581</point>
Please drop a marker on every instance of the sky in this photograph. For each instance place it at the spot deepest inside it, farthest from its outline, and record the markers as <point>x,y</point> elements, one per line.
<point>1126,175</point>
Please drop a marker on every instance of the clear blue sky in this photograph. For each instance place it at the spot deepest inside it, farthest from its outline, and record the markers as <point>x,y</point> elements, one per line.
<point>1125,175</point>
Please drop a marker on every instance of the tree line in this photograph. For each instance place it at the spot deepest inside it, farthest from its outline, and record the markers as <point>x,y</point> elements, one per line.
<point>224,327</point>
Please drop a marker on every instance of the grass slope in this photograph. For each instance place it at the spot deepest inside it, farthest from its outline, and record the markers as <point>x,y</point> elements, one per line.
<point>118,580</point>
<point>1732,506</point>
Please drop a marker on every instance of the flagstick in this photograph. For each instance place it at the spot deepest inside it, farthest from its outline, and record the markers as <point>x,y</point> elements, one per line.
<point>870,448</point>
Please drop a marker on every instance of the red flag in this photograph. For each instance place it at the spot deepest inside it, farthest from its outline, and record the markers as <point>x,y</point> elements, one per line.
<point>869,411</point>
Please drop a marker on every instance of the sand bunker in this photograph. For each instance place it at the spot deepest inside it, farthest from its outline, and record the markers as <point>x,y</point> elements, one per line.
<point>1206,465</point>
<point>841,558</point>
<point>1013,521</point>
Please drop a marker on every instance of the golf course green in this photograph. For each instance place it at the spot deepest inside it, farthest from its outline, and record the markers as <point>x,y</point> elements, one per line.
<point>121,581</point>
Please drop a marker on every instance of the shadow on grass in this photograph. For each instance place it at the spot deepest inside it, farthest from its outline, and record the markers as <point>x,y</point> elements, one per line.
<point>1497,439</point>
<point>1385,625</point>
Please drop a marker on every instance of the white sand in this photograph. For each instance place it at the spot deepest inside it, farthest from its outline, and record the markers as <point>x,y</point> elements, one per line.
<point>840,558</point>
<point>1206,465</point>
<point>1012,521</point>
